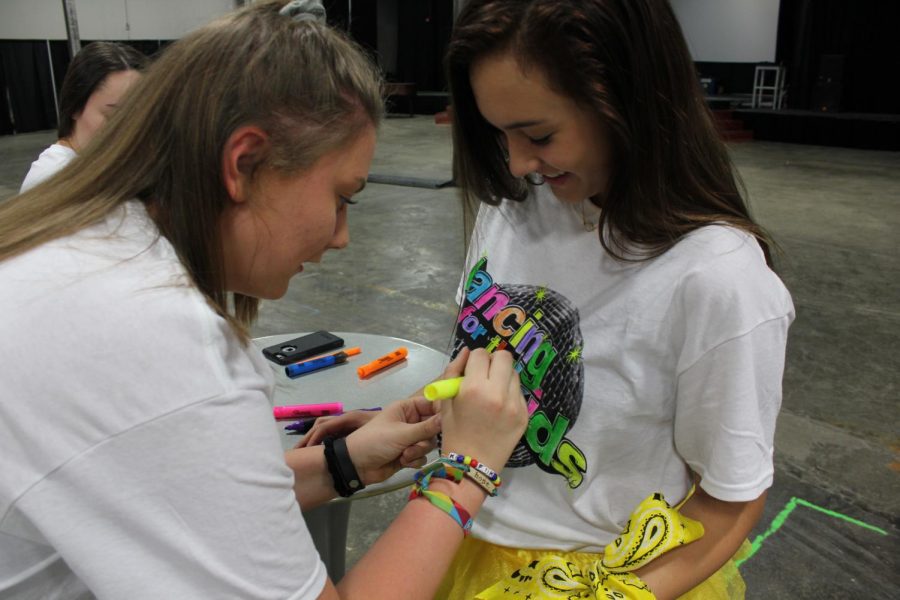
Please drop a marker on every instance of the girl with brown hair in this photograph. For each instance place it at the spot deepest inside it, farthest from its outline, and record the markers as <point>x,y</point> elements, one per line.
<point>95,84</point>
<point>614,256</point>
<point>138,455</point>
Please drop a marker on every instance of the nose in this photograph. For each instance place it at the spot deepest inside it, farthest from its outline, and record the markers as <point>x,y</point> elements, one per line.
<point>341,236</point>
<point>522,159</point>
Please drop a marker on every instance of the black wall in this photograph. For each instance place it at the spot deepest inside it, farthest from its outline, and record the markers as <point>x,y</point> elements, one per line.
<point>731,78</point>
<point>865,33</point>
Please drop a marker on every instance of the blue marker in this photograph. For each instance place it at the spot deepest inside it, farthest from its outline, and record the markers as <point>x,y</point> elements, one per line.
<point>308,366</point>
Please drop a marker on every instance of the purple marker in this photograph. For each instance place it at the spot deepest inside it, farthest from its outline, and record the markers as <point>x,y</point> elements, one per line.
<point>304,425</point>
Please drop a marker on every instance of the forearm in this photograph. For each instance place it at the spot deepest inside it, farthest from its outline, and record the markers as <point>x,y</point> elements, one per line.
<point>726,525</point>
<point>411,556</point>
<point>313,484</point>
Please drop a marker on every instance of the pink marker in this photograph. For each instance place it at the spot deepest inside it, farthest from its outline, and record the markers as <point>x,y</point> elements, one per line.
<point>301,411</point>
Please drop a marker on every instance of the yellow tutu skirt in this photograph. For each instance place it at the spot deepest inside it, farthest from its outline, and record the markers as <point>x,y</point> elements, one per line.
<point>478,565</point>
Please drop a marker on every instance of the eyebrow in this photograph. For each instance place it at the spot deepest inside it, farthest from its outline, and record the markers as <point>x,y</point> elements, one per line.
<point>522,124</point>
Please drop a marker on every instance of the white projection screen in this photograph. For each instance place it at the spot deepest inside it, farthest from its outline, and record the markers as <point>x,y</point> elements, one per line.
<point>741,31</point>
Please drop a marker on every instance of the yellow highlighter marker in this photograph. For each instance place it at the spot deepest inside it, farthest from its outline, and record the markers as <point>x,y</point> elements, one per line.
<point>442,389</point>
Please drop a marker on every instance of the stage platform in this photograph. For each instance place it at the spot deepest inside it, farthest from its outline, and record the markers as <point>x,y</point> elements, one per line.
<point>848,130</point>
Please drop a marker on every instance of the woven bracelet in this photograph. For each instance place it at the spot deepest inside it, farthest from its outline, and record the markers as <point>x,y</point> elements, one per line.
<point>444,502</point>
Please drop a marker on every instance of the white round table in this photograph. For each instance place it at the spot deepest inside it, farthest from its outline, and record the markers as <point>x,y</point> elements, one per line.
<point>340,383</point>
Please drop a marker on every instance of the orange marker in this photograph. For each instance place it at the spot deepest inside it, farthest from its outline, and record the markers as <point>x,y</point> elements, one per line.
<point>380,363</point>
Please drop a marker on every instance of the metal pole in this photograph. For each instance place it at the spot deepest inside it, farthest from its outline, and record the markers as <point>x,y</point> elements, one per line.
<point>72,27</point>
<point>53,81</point>
<point>349,16</point>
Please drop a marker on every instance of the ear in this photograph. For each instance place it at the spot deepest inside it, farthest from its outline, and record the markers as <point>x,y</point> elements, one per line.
<point>245,148</point>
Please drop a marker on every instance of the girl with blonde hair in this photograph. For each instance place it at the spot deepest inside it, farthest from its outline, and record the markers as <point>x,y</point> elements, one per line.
<point>138,454</point>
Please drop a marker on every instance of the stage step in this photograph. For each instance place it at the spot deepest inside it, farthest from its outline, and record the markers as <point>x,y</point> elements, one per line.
<point>731,129</point>
<point>743,135</point>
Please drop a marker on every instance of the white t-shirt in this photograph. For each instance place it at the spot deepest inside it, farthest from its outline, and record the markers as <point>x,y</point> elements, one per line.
<point>138,454</point>
<point>634,372</point>
<point>50,161</point>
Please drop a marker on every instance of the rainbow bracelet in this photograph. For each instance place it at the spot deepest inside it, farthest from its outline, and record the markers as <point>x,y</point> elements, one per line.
<point>444,502</point>
<point>450,471</point>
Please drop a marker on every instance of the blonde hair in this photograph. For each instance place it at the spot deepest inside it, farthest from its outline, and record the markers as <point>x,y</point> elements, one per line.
<point>310,88</point>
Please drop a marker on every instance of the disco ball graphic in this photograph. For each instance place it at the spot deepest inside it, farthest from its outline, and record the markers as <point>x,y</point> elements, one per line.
<point>562,388</point>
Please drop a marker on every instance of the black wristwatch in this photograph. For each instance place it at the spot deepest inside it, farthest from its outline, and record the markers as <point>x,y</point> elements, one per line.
<point>346,480</point>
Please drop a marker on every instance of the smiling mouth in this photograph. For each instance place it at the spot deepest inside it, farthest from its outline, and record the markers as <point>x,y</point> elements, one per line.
<point>558,178</point>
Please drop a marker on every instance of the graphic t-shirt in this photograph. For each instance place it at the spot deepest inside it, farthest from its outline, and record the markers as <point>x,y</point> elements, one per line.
<point>634,373</point>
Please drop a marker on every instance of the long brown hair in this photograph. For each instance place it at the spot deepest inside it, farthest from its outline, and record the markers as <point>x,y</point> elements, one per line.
<point>305,84</point>
<point>627,62</point>
<point>87,72</point>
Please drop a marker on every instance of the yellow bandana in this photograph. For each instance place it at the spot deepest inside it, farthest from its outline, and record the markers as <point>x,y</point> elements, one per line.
<point>653,529</point>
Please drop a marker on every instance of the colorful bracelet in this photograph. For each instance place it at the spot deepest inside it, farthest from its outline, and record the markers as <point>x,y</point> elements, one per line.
<point>439,469</point>
<point>443,502</point>
<point>445,468</point>
<point>471,462</point>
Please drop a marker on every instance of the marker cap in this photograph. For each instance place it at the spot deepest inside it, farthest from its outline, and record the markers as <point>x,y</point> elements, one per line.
<point>442,389</point>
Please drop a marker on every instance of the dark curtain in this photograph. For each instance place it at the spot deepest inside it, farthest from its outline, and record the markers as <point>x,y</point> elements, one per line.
<point>59,54</point>
<point>423,34</point>
<point>6,124</point>
<point>337,12</point>
<point>862,32</point>
<point>149,48</point>
<point>25,74</point>
<point>732,78</point>
<point>26,70</point>
<point>363,24</point>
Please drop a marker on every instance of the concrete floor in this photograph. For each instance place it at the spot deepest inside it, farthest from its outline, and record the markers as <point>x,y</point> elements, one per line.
<point>830,529</point>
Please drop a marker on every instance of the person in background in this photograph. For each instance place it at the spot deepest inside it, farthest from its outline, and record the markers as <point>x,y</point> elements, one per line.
<point>139,457</point>
<point>94,86</point>
<point>614,255</point>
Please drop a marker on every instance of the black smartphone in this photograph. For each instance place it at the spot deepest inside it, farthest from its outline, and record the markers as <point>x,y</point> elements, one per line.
<point>297,349</point>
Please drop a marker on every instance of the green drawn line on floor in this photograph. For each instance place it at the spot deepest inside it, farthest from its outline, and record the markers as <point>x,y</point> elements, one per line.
<point>782,516</point>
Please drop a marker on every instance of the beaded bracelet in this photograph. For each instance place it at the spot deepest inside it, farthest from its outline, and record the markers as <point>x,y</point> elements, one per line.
<point>483,482</point>
<point>445,468</point>
<point>443,502</point>
<point>471,462</point>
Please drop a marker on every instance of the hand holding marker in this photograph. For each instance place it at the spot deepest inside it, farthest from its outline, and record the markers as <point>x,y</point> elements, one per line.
<point>442,389</point>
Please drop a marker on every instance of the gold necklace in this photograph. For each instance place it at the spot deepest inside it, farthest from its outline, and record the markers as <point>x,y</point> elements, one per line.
<point>588,224</point>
